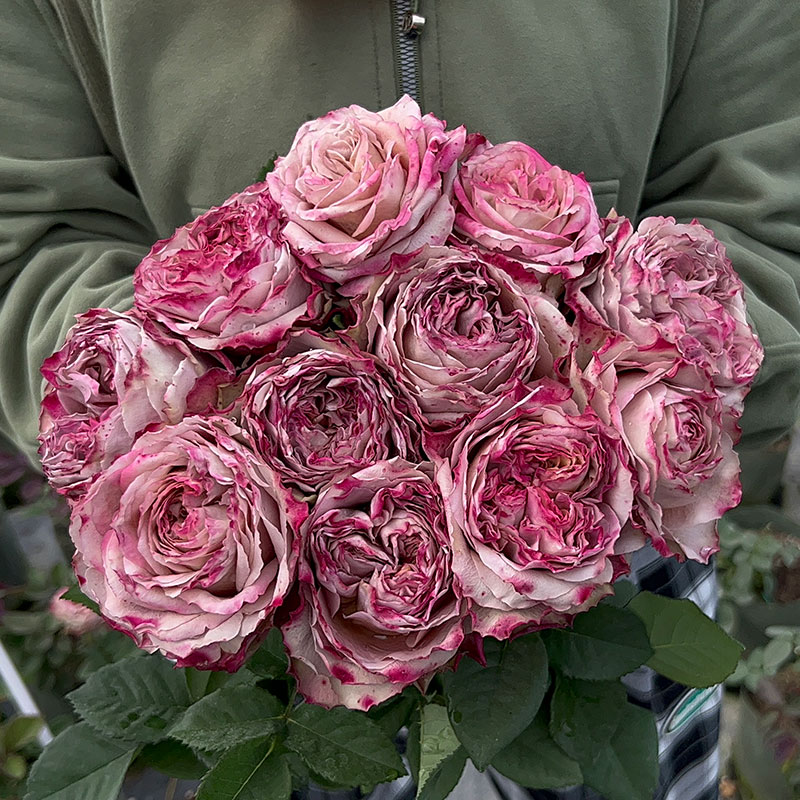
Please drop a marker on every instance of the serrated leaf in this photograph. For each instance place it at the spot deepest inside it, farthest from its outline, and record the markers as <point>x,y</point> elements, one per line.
<point>688,647</point>
<point>614,742</point>
<point>445,777</point>
<point>603,643</point>
<point>270,660</point>
<point>343,746</point>
<point>75,595</point>
<point>228,717</point>
<point>79,764</point>
<point>268,167</point>
<point>438,741</point>
<point>534,760</point>
<point>394,713</point>
<point>490,706</point>
<point>249,771</point>
<point>135,700</point>
<point>173,759</point>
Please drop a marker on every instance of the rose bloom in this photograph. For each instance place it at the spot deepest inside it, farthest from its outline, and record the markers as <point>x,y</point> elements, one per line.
<point>329,410</point>
<point>114,376</point>
<point>358,185</point>
<point>379,608</point>
<point>673,281</point>
<point>538,495</point>
<point>227,280</point>
<point>74,618</point>
<point>680,437</point>
<point>188,543</point>
<point>510,198</point>
<point>455,329</point>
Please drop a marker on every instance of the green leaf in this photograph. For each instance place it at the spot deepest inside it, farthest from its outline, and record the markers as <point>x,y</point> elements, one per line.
<point>343,746</point>
<point>490,706</point>
<point>689,647</point>
<point>269,661</point>
<point>15,766</point>
<point>75,595</point>
<point>614,742</point>
<point>534,760</point>
<point>136,699</point>
<point>603,643</point>
<point>249,771</point>
<point>197,681</point>
<point>268,167</point>
<point>438,741</point>
<point>445,777</point>
<point>394,713</point>
<point>79,764</point>
<point>624,592</point>
<point>228,717</point>
<point>173,759</point>
<point>20,731</point>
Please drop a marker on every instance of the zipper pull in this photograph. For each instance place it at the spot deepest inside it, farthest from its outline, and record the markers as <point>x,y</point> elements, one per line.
<point>414,22</point>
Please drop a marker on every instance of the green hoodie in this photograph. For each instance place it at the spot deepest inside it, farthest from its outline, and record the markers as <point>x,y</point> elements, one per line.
<point>121,120</point>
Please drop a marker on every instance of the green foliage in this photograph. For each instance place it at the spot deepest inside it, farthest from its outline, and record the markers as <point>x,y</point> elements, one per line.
<point>614,742</point>
<point>270,660</point>
<point>603,643</point>
<point>268,167</point>
<point>490,706</point>
<point>533,759</point>
<point>173,759</point>
<point>444,778</point>
<point>782,649</point>
<point>437,742</point>
<point>395,713</point>
<point>229,717</point>
<point>249,771</point>
<point>136,699</point>
<point>343,746</point>
<point>688,646</point>
<point>80,764</point>
<point>75,595</point>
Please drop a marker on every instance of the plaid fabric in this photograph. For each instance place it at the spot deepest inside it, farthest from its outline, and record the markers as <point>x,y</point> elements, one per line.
<point>687,720</point>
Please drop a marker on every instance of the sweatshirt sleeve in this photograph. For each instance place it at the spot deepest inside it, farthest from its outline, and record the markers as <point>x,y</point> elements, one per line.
<point>71,228</point>
<point>728,154</point>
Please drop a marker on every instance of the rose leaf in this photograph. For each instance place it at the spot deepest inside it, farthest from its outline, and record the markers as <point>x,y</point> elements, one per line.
<point>689,647</point>
<point>136,699</point>
<point>603,643</point>
<point>228,717</point>
<point>490,706</point>
<point>249,771</point>
<point>343,746</point>
<point>77,764</point>
<point>269,661</point>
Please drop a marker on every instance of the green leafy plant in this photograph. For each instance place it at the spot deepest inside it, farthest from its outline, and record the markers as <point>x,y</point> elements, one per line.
<point>546,710</point>
<point>18,749</point>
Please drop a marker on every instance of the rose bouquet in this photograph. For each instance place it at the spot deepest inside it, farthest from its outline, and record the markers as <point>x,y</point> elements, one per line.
<point>375,443</point>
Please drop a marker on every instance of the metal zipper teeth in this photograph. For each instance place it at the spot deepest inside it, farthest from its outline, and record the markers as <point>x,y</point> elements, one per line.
<point>408,79</point>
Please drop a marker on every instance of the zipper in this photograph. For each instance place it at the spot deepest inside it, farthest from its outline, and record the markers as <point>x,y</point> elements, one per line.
<point>407,24</point>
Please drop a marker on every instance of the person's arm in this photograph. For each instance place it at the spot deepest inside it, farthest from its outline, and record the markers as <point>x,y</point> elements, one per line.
<point>729,154</point>
<point>71,233</point>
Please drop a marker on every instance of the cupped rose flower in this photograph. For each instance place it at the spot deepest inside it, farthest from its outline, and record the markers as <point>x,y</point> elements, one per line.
<point>114,376</point>
<point>680,437</point>
<point>538,495</point>
<point>379,610</point>
<point>188,543</point>
<point>359,185</point>
<point>226,280</point>
<point>74,618</point>
<point>510,198</point>
<point>673,281</point>
<point>456,330</point>
<point>327,410</point>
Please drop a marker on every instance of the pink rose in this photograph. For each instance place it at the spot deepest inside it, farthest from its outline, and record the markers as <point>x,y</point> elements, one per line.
<point>673,281</point>
<point>456,330</point>
<point>188,543</point>
<point>537,495</point>
<point>510,198</point>
<point>74,618</point>
<point>226,280</point>
<point>359,185</point>
<point>114,376</point>
<point>328,410</point>
<point>680,437</point>
<point>379,609</point>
